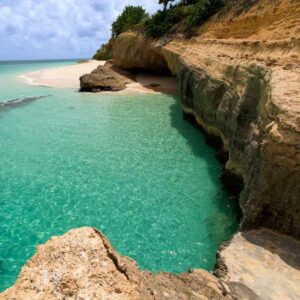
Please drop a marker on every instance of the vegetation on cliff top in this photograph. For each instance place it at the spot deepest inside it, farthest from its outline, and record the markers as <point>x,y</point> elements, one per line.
<point>189,13</point>
<point>199,11</point>
<point>105,51</point>
<point>131,16</point>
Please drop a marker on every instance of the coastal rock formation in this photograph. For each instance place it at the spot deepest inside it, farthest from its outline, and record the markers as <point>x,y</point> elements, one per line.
<point>82,265</point>
<point>137,52</point>
<point>103,78</point>
<point>245,94</point>
<point>265,262</point>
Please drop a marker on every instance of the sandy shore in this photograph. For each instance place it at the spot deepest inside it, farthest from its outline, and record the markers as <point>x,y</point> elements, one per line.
<point>146,83</point>
<point>61,77</point>
<point>68,77</point>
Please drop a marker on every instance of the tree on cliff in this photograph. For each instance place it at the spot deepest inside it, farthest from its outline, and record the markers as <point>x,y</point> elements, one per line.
<point>165,3</point>
<point>131,15</point>
<point>202,10</point>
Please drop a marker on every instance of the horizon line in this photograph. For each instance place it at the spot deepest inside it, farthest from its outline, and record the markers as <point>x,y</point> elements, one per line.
<point>42,59</point>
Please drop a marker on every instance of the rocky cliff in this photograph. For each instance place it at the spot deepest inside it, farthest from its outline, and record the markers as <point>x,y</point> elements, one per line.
<point>83,265</point>
<point>241,85</point>
<point>239,82</point>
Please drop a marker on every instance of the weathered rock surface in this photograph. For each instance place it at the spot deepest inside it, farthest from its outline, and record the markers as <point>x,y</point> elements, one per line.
<point>137,52</point>
<point>246,93</point>
<point>266,262</point>
<point>103,78</point>
<point>83,265</point>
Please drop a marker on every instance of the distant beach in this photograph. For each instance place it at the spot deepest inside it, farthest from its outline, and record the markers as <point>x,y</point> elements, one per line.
<point>61,77</point>
<point>68,77</point>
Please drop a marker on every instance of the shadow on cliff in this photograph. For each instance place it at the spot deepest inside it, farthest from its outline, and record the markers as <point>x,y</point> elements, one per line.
<point>196,140</point>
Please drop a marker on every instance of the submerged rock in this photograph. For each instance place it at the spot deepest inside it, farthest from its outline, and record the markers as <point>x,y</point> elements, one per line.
<point>82,265</point>
<point>103,78</point>
<point>20,101</point>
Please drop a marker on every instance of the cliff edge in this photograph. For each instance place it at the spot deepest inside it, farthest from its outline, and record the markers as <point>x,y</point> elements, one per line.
<point>239,79</point>
<point>82,265</point>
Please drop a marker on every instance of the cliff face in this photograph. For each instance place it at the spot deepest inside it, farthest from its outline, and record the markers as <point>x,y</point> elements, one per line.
<point>246,93</point>
<point>239,81</point>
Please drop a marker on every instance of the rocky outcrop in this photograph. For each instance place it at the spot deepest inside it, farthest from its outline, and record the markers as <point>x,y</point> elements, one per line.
<point>82,265</point>
<point>261,259</point>
<point>103,78</point>
<point>245,95</point>
<point>137,52</point>
<point>241,107</point>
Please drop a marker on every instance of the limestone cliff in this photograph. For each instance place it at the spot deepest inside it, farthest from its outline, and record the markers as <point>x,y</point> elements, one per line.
<point>240,83</point>
<point>83,265</point>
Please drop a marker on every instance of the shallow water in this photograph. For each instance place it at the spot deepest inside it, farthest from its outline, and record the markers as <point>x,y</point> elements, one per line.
<point>128,165</point>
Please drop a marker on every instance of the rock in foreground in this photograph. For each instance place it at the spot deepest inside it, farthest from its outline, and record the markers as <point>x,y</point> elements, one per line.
<point>104,78</point>
<point>263,262</point>
<point>83,265</point>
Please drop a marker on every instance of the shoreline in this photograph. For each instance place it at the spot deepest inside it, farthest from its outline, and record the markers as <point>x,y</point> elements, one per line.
<point>60,77</point>
<point>68,77</point>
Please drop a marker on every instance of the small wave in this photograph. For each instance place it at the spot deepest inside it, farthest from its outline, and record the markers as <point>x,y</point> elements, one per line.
<point>20,101</point>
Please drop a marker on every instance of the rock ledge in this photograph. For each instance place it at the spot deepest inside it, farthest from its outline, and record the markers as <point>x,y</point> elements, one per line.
<point>82,264</point>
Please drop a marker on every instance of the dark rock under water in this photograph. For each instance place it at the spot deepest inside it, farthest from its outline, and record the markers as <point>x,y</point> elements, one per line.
<point>21,101</point>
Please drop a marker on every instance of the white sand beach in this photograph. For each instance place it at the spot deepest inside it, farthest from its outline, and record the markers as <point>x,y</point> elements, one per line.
<point>68,77</point>
<point>62,77</point>
<point>146,83</point>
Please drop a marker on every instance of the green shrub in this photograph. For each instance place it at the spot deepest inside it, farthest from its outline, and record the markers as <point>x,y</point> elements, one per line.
<point>161,22</point>
<point>131,16</point>
<point>202,10</point>
<point>105,51</point>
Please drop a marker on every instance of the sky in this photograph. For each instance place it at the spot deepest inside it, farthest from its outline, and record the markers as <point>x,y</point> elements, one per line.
<point>58,29</point>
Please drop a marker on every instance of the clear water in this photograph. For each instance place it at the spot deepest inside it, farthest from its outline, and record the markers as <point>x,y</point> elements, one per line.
<point>128,165</point>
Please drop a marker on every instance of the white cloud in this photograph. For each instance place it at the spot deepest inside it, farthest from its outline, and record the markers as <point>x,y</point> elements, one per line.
<point>37,29</point>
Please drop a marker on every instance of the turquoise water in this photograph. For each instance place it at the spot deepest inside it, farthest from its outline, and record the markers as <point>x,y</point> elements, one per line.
<point>128,165</point>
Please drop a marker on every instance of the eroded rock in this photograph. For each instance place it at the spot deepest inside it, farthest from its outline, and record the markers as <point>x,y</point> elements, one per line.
<point>82,265</point>
<point>103,78</point>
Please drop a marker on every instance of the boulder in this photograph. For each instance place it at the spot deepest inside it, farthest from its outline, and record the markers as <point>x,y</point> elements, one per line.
<point>103,78</point>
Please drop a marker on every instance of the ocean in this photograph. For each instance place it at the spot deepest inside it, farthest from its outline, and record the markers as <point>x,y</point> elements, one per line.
<point>128,165</point>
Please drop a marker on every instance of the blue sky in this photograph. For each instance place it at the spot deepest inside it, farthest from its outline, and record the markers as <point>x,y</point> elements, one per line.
<point>49,29</point>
